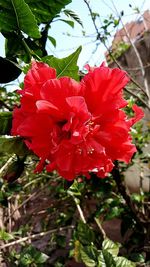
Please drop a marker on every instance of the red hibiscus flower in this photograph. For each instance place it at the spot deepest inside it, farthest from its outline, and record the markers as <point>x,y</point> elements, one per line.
<point>75,127</point>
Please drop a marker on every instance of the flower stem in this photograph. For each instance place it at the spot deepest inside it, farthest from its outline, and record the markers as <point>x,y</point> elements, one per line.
<point>79,209</point>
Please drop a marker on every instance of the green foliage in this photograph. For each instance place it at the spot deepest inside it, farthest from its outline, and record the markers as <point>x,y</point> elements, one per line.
<point>106,257</point>
<point>46,10</point>
<point>5,122</point>
<point>13,145</point>
<point>29,256</point>
<point>118,50</point>
<point>9,70</point>
<point>85,234</point>
<point>16,15</point>
<point>69,22</point>
<point>52,40</point>
<point>5,236</point>
<point>73,15</point>
<point>65,66</point>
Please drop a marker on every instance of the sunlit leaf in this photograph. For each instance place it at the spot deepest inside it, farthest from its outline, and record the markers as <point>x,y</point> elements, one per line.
<point>110,246</point>
<point>16,15</point>
<point>52,40</point>
<point>69,22</point>
<point>65,66</point>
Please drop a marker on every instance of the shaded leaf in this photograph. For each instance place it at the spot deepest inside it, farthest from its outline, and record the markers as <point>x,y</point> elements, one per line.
<point>106,259</point>
<point>13,145</point>
<point>5,122</point>
<point>14,170</point>
<point>9,71</point>
<point>86,257</point>
<point>16,15</point>
<point>46,10</point>
<point>85,234</point>
<point>65,66</point>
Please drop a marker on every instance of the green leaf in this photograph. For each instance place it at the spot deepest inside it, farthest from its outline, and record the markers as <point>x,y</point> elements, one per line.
<point>65,66</point>
<point>73,15</point>
<point>3,199</point>
<point>85,234</point>
<point>46,10</point>
<point>52,40</point>
<point>110,246</point>
<point>31,255</point>
<point>86,256</point>
<point>9,70</point>
<point>5,122</point>
<point>106,259</point>
<point>69,22</point>
<point>123,262</point>
<point>5,236</point>
<point>16,15</point>
<point>13,145</point>
<point>137,257</point>
<point>75,189</point>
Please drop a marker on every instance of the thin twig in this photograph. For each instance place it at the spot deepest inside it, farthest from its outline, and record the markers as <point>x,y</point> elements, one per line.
<point>23,239</point>
<point>100,227</point>
<point>7,163</point>
<point>111,55</point>
<point>137,55</point>
<point>138,97</point>
<point>79,210</point>
<point>35,194</point>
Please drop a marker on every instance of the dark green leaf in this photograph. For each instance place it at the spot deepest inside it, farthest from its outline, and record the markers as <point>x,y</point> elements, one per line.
<point>137,257</point>
<point>13,145</point>
<point>5,122</point>
<point>72,15</point>
<point>85,234</point>
<point>114,212</point>
<point>9,71</point>
<point>31,255</point>
<point>106,259</point>
<point>16,15</point>
<point>46,10</point>
<point>14,170</point>
<point>86,256</point>
<point>65,66</point>
<point>52,40</point>
<point>3,199</point>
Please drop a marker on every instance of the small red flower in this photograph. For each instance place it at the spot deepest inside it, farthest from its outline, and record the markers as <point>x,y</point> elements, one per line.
<point>75,127</point>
